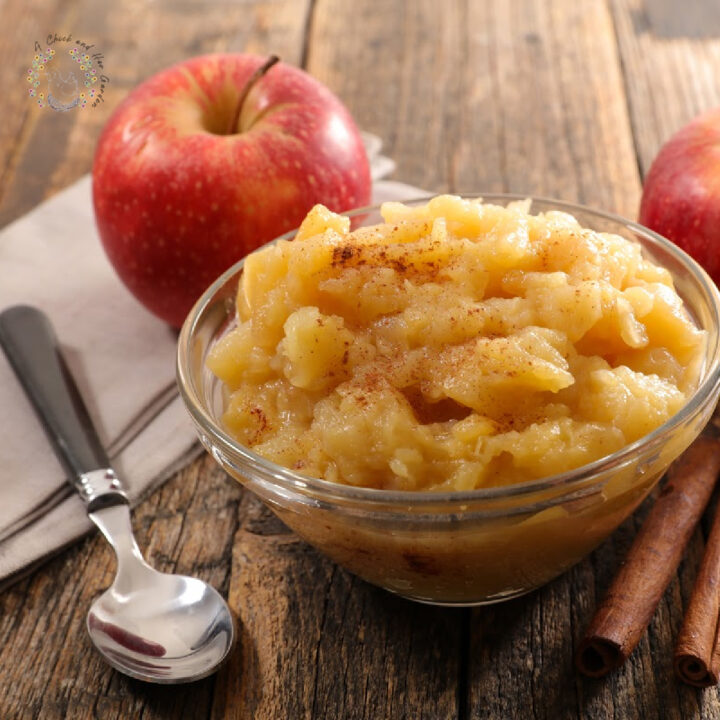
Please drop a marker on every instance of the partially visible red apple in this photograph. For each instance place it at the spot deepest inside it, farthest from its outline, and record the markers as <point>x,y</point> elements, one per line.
<point>681,194</point>
<point>209,159</point>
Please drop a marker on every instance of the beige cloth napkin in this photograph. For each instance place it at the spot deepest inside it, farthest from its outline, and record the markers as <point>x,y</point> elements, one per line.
<point>122,357</point>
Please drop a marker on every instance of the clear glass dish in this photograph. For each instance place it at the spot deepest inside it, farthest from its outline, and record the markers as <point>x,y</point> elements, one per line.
<point>459,548</point>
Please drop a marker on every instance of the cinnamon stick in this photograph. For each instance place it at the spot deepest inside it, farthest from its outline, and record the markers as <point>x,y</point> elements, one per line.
<point>625,612</point>
<point>697,655</point>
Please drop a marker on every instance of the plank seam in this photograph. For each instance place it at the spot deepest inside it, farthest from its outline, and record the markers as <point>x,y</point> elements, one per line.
<point>610,5</point>
<point>463,680</point>
<point>307,33</point>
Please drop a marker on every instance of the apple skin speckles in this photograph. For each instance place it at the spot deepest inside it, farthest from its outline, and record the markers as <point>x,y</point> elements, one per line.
<point>177,203</point>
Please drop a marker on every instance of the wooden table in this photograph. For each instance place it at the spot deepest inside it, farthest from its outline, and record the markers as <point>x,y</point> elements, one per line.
<point>564,98</point>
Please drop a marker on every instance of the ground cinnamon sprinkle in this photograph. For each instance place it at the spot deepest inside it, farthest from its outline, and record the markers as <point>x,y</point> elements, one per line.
<point>480,338</point>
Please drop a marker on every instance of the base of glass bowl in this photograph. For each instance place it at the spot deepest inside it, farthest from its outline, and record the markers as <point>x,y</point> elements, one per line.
<point>495,600</point>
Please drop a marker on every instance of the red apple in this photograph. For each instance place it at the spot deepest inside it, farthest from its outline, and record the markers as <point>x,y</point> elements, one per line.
<point>681,195</point>
<point>209,159</point>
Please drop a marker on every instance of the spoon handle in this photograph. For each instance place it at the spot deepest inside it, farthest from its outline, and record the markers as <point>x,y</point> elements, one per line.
<point>28,339</point>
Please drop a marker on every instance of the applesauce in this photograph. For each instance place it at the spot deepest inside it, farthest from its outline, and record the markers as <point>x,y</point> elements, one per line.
<point>457,345</point>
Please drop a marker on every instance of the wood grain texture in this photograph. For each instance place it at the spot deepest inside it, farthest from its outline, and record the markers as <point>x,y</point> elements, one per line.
<point>318,642</point>
<point>670,76</point>
<point>549,75</point>
<point>556,98</point>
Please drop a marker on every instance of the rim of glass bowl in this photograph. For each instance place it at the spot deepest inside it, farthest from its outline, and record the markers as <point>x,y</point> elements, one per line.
<point>571,480</point>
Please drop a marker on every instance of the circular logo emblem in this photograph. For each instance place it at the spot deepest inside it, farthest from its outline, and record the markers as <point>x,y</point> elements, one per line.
<point>62,81</point>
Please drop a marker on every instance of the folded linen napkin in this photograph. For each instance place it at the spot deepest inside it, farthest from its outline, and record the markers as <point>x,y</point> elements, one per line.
<point>122,357</point>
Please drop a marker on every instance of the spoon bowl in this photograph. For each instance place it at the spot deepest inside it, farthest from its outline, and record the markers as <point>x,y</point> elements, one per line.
<point>177,603</point>
<point>155,626</point>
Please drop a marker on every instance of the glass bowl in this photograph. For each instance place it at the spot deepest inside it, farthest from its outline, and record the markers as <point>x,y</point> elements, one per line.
<point>470,547</point>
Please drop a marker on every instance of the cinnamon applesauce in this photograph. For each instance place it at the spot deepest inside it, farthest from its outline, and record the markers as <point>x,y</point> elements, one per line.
<point>458,345</point>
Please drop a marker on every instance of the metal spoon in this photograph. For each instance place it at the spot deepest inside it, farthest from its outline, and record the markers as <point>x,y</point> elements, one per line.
<point>149,625</point>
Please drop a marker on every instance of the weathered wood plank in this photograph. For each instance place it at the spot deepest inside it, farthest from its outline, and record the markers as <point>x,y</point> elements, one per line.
<point>317,642</point>
<point>398,75</point>
<point>544,85</point>
<point>29,22</point>
<point>670,66</point>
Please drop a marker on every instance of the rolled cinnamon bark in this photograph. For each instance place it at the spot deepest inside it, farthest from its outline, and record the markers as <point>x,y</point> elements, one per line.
<point>697,656</point>
<point>629,605</point>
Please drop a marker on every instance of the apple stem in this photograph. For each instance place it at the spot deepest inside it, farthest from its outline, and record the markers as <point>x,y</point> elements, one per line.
<point>232,128</point>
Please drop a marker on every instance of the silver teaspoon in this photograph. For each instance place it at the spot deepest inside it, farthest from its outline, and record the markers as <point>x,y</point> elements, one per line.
<point>149,625</point>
